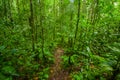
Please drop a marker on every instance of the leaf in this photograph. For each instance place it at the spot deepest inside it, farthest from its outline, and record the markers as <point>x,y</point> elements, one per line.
<point>73,58</point>
<point>2,48</point>
<point>8,70</point>
<point>65,58</point>
<point>101,59</point>
<point>115,49</point>
<point>84,54</point>
<point>78,76</point>
<point>14,51</point>
<point>106,67</point>
<point>47,53</point>
<point>46,75</point>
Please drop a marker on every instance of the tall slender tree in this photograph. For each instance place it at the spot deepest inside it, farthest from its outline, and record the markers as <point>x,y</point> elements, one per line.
<point>77,22</point>
<point>31,22</point>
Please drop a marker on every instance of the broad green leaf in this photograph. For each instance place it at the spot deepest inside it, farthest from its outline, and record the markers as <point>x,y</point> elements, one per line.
<point>8,70</point>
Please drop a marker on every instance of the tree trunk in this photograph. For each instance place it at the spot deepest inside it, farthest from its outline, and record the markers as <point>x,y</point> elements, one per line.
<point>31,22</point>
<point>77,23</point>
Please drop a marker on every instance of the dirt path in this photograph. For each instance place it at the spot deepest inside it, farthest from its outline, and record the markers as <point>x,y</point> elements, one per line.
<point>56,71</point>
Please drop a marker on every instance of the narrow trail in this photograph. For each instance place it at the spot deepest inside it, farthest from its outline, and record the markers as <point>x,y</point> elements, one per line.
<point>56,71</point>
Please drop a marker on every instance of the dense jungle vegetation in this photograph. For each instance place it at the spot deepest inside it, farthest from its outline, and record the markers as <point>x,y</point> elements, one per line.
<point>59,39</point>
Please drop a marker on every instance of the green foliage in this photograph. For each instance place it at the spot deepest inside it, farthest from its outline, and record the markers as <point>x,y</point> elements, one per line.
<point>43,75</point>
<point>31,30</point>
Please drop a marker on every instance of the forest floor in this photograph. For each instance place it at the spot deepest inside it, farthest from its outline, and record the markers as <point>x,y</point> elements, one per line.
<point>57,72</point>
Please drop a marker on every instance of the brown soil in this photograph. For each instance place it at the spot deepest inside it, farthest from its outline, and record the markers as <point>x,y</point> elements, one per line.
<point>56,71</point>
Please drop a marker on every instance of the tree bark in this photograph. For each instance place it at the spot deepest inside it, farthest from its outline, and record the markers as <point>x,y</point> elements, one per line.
<point>77,23</point>
<point>31,22</point>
